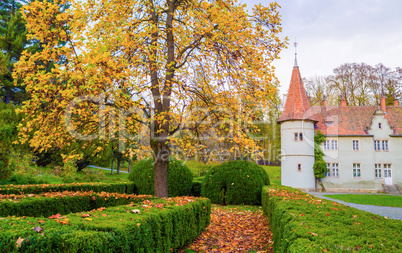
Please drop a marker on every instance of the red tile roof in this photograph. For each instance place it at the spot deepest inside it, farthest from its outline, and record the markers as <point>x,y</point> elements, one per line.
<point>297,105</point>
<point>353,120</point>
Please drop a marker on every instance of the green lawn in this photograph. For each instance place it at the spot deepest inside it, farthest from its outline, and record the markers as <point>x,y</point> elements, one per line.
<point>274,173</point>
<point>369,199</point>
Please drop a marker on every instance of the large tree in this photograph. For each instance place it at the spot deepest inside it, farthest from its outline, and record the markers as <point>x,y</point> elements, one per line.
<point>139,66</point>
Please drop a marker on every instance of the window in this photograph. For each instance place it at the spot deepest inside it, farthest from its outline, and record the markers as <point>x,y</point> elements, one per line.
<point>387,166</point>
<point>381,145</point>
<point>328,173</point>
<point>299,167</point>
<point>355,145</point>
<point>334,144</point>
<point>380,125</point>
<point>377,170</point>
<point>335,170</point>
<point>298,136</point>
<point>326,145</point>
<point>356,170</point>
<point>385,145</point>
<point>377,145</point>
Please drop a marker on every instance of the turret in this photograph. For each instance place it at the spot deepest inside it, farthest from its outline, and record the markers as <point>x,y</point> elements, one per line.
<point>297,136</point>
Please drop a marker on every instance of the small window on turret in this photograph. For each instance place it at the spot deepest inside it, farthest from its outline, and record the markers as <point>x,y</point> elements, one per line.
<point>299,167</point>
<point>379,125</point>
<point>298,136</point>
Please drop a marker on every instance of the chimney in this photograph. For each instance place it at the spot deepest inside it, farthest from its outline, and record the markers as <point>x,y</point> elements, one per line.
<point>396,102</point>
<point>343,101</point>
<point>324,101</point>
<point>383,107</point>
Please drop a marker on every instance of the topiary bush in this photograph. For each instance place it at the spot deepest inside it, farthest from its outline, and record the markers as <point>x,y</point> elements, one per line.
<point>235,182</point>
<point>180,177</point>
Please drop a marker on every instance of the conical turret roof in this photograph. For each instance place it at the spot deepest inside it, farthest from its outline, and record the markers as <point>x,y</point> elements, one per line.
<point>297,105</point>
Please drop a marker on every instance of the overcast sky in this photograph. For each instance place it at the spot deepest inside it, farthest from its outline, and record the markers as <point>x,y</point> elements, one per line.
<point>332,32</point>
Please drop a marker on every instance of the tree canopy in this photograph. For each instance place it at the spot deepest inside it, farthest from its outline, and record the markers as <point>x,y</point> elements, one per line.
<point>162,72</point>
<point>359,83</point>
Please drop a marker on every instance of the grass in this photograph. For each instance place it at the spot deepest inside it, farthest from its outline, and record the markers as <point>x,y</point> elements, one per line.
<point>369,199</point>
<point>274,173</point>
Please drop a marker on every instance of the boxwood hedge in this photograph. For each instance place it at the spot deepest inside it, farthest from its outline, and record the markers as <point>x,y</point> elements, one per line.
<point>180,177</point>
<point>46,204</point>
<point>235,182</point>
<point>125,187</point>
<point>303,223</point>
<point>162,225</point>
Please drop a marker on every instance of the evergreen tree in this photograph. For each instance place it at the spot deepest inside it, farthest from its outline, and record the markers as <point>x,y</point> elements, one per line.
<point>13,41</point>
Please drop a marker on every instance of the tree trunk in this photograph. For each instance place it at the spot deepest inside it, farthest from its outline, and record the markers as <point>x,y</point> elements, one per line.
<point>112,167</point>
<point>321,184</point>
<point>129,164</point>
<point>118,166</point>
<point>8,97</point>
<point>161,158</point>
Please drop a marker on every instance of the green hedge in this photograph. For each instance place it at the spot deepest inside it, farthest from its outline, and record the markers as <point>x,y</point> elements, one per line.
<point>303,223</point>
<point>63,203</point>
<point>180,177</point>
<point>161,226</point>
<point>235,182</point>
<point>126,187</point>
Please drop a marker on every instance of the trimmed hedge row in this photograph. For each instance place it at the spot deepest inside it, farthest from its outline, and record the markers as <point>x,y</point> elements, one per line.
<point>162,225</point>
<point>303,223</point>
<point>125,187</point>
<point>47,204</point>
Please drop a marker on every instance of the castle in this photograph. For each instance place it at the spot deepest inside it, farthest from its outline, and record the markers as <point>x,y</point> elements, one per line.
<point>363,145</point>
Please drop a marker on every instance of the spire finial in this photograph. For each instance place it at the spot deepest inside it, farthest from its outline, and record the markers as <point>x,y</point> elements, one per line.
<point>295,45</point>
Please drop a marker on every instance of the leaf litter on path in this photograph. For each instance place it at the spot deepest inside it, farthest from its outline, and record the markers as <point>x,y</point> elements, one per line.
<point>235,230</point>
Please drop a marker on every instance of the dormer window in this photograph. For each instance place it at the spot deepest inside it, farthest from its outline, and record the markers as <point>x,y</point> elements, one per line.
<point>380,125</point>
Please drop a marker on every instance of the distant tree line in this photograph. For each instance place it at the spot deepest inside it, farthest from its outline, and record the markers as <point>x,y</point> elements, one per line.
<point>359,83</point>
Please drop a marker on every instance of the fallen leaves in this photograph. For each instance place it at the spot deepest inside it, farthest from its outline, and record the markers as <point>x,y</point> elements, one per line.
<point>235,231</point>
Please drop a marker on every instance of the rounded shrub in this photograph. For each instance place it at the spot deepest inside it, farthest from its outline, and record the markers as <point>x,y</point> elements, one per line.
<point>180,177</point>
<point>235,182</point>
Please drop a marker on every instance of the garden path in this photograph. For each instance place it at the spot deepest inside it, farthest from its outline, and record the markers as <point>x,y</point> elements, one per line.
<point>386,211</point>
<point>97,167</point>
<point>235,229</point>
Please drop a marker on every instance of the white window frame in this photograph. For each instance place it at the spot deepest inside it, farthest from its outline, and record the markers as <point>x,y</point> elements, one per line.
<point>335,169</point>
<point>298,136</point>
<point>328,172</point>
<point>377,145</point>
<point>386,146</point>
<point>356,170</point>
<point>334,144</point>
<point>326,145</point>
<point>356,145</point>
<point>378,170</point>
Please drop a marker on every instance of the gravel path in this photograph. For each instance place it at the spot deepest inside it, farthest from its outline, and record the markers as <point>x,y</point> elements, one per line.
<point>114,171</point>
<point>386,211</point>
